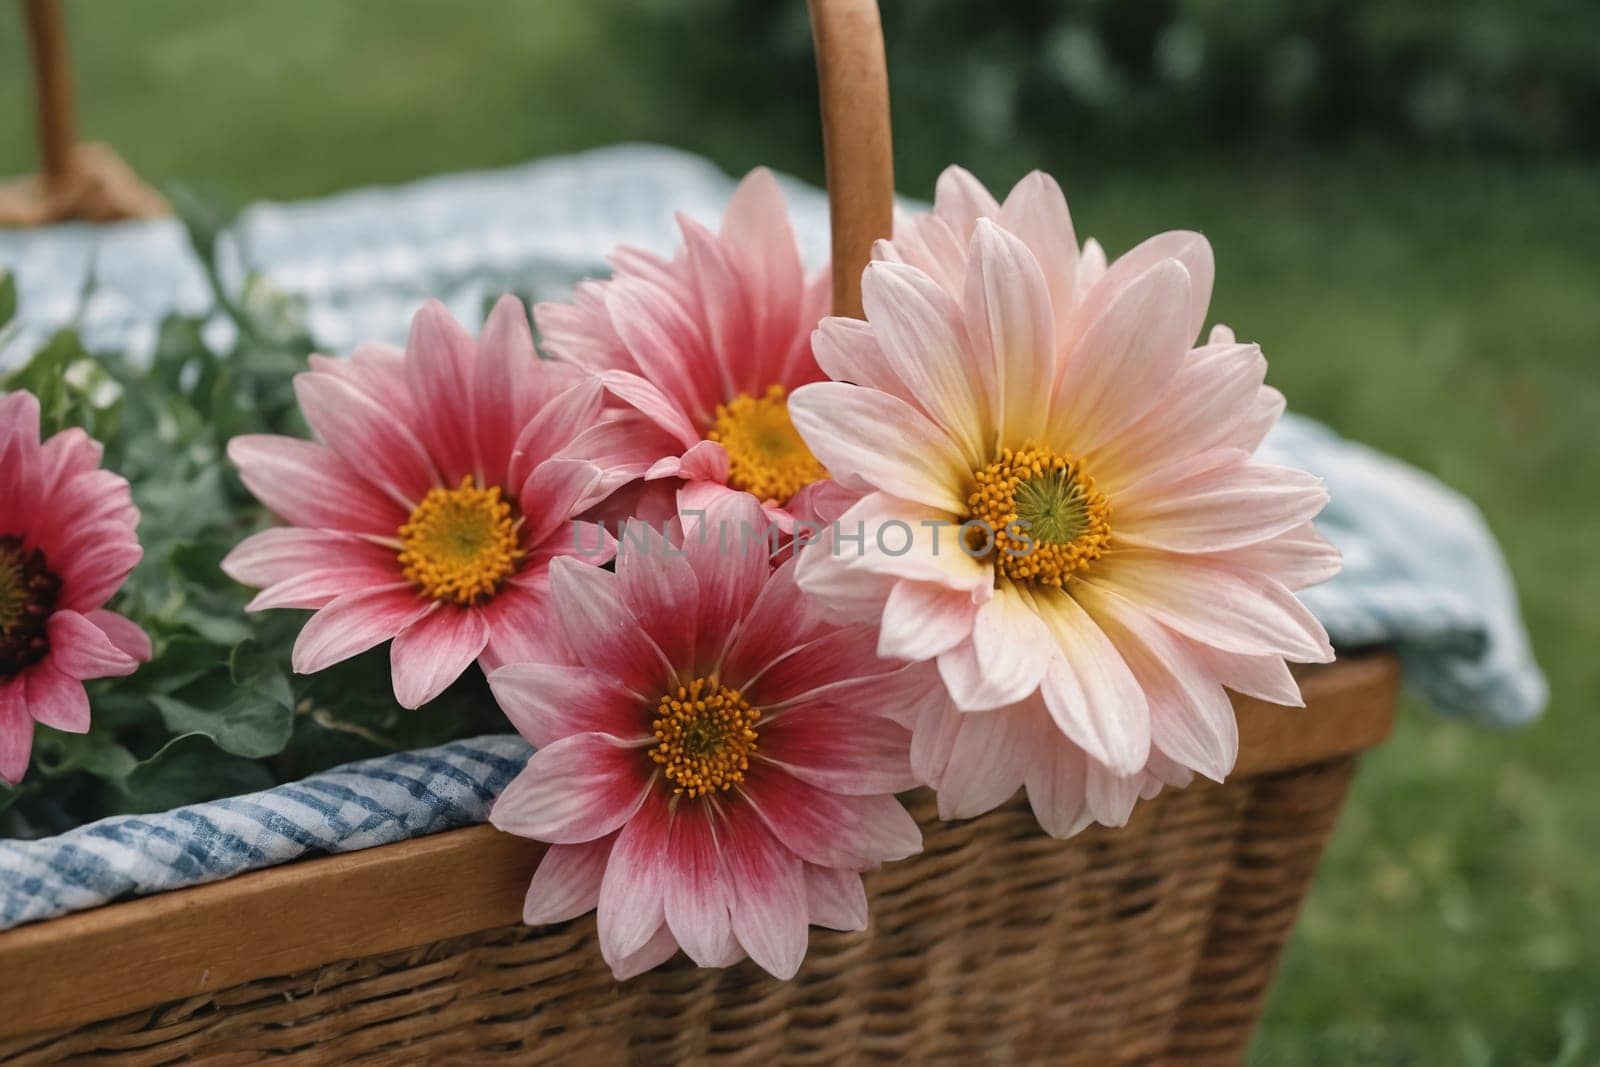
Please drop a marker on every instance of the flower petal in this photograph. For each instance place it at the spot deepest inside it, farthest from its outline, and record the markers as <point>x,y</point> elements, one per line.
<point>1124,360</point>
<point>16,728</point>
<point>922,621</point>
<point>548,701</point>
<point>56,699</point>
<point>630,908</point>
<point>566,883</point>
<point>124,633</point>
<point>80,649</point>
<point>846,750</point>
<point>1036,211</point>
<point>989,760</point>
<point>961,200</point>
<point>1057,782</point>
<point>871,440</point>
<point>433,651</point>
<point>1215,502</point>
<point>829,830</point>
<point>600,630</point>
<point>922,334</point>
<point>835,899</point>
<point>355,622</point>
<point>768,895</point>
<point>696,890</point>
<point>579,788</point>
<point>440,365</point>
<point>1012,330</point>
<point>306,484</point>
<point>367,437</point>
<point>1091,694</point>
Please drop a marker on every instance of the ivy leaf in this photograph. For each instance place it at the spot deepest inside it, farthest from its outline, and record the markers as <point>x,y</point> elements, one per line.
<point>190,770</point>
<point>247,712</point>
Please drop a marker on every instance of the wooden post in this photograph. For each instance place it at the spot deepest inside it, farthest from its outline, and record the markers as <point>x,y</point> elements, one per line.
<point>853,81</point>
<point>52,72</point>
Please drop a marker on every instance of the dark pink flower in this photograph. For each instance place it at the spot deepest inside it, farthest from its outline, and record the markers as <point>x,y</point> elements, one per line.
<point>715,762</point>
<point>430,507</point>
<point>67,543</point>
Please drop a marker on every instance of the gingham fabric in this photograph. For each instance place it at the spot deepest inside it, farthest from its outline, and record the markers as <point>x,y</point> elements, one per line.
<point>1421,569</point>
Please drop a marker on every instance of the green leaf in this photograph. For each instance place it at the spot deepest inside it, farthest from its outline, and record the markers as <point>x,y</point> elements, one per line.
<point>190,770</point>
<point>8,297</point>
<point>248,711</point>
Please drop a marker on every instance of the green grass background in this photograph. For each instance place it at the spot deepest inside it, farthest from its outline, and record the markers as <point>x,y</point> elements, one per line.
<point>1446,310</point>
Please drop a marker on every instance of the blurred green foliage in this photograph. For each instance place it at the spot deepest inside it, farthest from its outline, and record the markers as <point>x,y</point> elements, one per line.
<point>1406,232</point>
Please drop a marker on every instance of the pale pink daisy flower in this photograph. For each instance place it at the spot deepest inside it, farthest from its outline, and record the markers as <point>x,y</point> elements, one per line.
<point>1125,556</point>
<point>705,348</point>
<point>428,510</point>
<point>67,543</point>
<point>712,769</point>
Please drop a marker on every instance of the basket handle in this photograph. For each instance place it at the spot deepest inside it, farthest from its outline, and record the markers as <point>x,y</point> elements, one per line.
<point>853,83</point>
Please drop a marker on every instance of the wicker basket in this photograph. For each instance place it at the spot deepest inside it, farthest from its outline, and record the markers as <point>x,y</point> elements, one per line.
<point>1154,943</point>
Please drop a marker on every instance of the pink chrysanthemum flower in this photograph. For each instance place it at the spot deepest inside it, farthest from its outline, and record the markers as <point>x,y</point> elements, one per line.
<point>706,348</point>
<point>67,543</point>
<point>430,508</point>
<point>711,772</point>
<point>1121,556</point>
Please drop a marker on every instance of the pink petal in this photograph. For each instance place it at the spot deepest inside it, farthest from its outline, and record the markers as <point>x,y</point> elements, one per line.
<point>727,549</point>
<point>923,336</point>
<point>16,725</point>
<point>1216,501</point>
<point>552,430</point>
<point>547,701</point>
<point>660,590</point>
<point>344,566</point>
<point>847,750</point>
<point>658,949</point>
<point>1012,644</point>
<point>669,346</point>
<point>1057,783</point>
<point>1208,399</point>
<point>1190,249</point>
<point>600,630</point>
<point>1091,694</point>
<point>756,230</point>
<point>1299,558</point>
<point>1263,677</point>
<point>567,882</point>
<point>831,830</point>
<point>988,761</point>
<point>306,484</point>
<point>1191,718</point>
<point>835,899</point>
<point>630,910</point>
<point>847,349</point>
<point>768,895</point>
<point>355,622</point>
<point>433,651</point>
<point>124,633</point>
<point>933,740</point>
<point>695,889</point>
<point>961,200</point>
<point>1036,211</point>
<point>1012,329</point>
<point>512,384</point>
<point>651,402</point>
<point>366,436</point>
<point>870,440</point>
<point>577,789</point>
<point>1214,604</point>
<point>838,658</point>
<point>580,333</point>
<point>96,566</point>
<point>555,493</point>
<point>1124,360</point>
<point>440,366</point>
<point>781,620</point>
<point>283,553</point>
<point>522,623</point>
<point>80,649</point>
<point>1111,797</point>
<point>922,621</point>
<point>66,455</point>
<point>1091,266</point>
<point>928,243</point>
<point>57,700</point>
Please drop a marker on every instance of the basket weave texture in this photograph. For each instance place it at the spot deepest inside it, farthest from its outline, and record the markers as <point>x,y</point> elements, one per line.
<point>1151,944</point>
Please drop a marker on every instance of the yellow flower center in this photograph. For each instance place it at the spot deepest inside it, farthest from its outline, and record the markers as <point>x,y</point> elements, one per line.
<point>460,544</point>
<point>766,457</point>
<point>705,734</point>
<point>1048,522</point>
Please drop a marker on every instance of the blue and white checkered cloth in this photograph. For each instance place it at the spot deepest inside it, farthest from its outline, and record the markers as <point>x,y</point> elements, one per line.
<point>1422,571</point>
